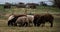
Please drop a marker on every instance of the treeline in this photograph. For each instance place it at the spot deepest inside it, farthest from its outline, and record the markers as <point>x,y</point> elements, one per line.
<point>23,5</point>
<point>32,5</point>
<point>57,3</point>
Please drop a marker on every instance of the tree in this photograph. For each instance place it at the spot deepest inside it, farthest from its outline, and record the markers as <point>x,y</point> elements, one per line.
<point>7,5</point>
<point>43,3</point>
<point>32,5</point>
<point>20,5</point>
<point>57,3</point>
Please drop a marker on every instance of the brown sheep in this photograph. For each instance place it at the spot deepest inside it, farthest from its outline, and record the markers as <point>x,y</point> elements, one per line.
<point>42,19</point>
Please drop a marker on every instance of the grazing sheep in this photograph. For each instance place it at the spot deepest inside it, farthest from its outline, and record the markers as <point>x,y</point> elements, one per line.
<point>25,20</point>
<point>42,19</point>
<point>22,21</point>
<point>12,19</point>
<point>31,18</point>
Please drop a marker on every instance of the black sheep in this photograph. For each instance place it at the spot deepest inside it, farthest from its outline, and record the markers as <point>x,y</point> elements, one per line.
<point>42,19</point>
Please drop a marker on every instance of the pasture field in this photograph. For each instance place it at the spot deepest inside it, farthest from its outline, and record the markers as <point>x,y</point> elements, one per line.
<point>47,28</point>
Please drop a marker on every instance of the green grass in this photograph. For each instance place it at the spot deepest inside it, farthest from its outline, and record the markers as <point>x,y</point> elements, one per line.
<point>40,9</point>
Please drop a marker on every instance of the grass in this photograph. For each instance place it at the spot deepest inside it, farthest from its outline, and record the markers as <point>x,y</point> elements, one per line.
<point>47,28</point>
<point>40,9</point>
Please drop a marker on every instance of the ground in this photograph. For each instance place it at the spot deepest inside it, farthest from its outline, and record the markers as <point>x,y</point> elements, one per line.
<point>47,28</point>
<point>56,23</point>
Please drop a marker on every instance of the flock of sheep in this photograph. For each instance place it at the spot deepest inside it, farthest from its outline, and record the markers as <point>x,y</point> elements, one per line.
<point>30,20</point>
